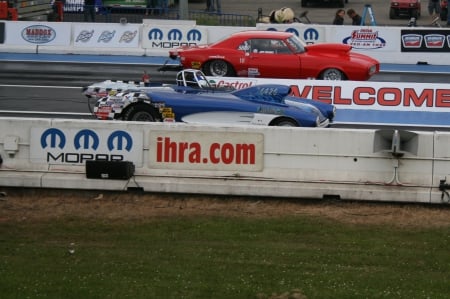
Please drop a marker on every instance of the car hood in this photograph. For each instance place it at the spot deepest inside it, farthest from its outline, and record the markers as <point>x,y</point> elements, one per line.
<point>337,49</point>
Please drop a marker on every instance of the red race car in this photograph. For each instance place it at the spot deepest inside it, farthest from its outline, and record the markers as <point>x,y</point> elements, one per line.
<point>276,54</point>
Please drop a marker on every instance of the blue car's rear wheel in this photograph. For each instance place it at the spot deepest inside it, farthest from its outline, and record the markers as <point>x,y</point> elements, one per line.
<point>284,122</point>
<point>141,112</point>
<point>218,68</point>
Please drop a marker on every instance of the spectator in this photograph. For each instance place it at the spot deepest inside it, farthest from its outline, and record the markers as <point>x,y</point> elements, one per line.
<point>216,6</point>
<point>356,19</point>
<point>208,5</point>
<point>434,9</point>
<point>89,10</point>
<point>339,17</point>
<point>146,78</point>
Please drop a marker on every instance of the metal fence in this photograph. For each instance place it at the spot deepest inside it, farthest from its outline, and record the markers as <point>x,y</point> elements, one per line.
<point>76,13</point>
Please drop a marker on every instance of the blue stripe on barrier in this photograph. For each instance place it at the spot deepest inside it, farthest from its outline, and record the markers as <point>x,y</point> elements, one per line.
<point>420,118</point>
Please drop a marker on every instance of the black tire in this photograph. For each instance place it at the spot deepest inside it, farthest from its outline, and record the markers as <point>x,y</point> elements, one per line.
<point>392,13</point>
<point>218,68</point>
<point>142,112</point>
<point>414,14</point>
<point>284,122</point>
<point>304,3</point>
<point>332,74</point>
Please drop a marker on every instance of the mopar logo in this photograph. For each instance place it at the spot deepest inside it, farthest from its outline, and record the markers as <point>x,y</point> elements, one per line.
<point>155,33</point>
<point>194,34</point>
<point>175,34</point>
<point>292,30</point>
<point>310,34</point>
<point>55,136</point>
<point>86,139</point>
<point>119,138</point>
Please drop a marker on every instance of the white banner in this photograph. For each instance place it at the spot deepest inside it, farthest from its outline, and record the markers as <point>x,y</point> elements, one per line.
<point>106,35</point>
<point>172,36</point>
<point>38,33</point>
<point>76,146</point>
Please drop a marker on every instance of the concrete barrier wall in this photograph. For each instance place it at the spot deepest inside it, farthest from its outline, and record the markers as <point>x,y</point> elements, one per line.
<point>376,165</point>
<point>387,44</point>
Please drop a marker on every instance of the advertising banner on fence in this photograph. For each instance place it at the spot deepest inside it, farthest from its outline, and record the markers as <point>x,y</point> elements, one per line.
<point>106,35</point>
<point>76,146</point>
<point>172,36</point>
<point>37,33</point>
<point>367,101</point>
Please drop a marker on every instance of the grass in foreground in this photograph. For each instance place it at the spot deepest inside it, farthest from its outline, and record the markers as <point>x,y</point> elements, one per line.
<point>226,257</point>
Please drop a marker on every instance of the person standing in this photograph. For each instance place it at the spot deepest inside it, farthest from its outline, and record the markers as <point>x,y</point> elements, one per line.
<point>356,19</point>
<point>339,17</point>
<point>89,10</point>
<point>434,9</point>
<point>146,78</point>
<point>216,6</point>
<point>208,5</point>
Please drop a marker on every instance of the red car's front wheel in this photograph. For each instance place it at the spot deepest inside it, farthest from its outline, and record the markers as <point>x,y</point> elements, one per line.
<point>218,68</point>
<point>332,74</point>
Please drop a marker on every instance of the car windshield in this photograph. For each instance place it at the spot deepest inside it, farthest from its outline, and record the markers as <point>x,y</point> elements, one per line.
<point>296,44</point>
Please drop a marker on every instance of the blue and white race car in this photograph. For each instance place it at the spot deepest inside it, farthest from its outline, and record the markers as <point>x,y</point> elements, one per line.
<point>267,105</point>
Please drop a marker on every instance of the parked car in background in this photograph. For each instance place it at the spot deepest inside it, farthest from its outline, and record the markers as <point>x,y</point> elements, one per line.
<point>405,8</point>
<point>266,105</point>
<point>276,54</point>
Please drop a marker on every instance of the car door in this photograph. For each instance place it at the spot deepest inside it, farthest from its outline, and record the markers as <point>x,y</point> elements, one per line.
<point>271,58</point>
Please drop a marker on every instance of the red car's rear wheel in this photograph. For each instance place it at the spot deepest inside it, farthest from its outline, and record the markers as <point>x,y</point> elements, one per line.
<point>218,68</point>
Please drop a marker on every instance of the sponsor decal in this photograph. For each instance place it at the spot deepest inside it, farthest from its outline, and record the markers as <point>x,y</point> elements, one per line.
<point>412,40</point>
<point>425,40</point>
<point>127,37</point>
<point>106,36</point>
<point>434,40</point>
<point>84,36</point>
<point>365,38</point>
<point>173,38</point>
<point>230,151</point>
<point>76,146</point>
<point>38,34</point>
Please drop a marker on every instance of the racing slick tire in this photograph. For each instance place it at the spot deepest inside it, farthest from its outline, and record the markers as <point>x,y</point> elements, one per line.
<point>284,122</point>
<point>141,112</point>
<point>392,13</point>
<point>332,74</point>
<point>218,68</point>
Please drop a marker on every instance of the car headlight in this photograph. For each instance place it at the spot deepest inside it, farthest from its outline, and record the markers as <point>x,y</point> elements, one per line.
<point>394,4</point>
<point>372,70</point>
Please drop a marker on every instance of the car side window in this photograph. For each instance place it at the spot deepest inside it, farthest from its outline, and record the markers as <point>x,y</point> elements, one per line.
<point>279,47</point>
<point>269,46</point>
<point>245,46</point>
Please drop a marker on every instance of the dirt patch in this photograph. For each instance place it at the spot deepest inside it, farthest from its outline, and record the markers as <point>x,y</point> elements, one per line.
<point>17,205</point>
